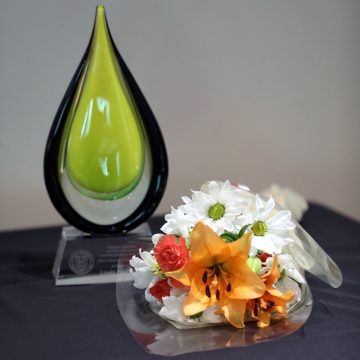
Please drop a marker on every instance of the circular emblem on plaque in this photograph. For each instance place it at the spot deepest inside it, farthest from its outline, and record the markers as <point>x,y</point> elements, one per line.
<point>81,262</point>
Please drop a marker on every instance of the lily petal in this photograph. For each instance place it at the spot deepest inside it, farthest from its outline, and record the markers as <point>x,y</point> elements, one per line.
<point>197,299</point>
<point>234,312</point>
<point>279,310</point>
<point>264,319</point>
<point>184,274</point>
<point>272,275</point>
<point>245,283</point>
<point>207,248</point>
<point>241,246</point>
<point>278,297</point>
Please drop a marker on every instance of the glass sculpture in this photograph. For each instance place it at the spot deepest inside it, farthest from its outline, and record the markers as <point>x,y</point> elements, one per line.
<point>105,161</point>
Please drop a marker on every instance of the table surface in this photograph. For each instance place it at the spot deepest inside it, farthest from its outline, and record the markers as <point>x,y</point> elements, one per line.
<point>41,321</point>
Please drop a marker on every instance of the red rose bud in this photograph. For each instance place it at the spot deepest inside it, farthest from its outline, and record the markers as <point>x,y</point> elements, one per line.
<point>264,256</point>
<point>171,253</point>
<point>160,289</point>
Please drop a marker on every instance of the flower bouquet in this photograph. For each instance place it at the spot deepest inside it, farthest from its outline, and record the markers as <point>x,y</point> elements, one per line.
<point>227,255</point>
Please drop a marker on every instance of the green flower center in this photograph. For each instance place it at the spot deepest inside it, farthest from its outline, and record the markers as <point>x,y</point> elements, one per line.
<point>259,228</point>
<point>216,211</point>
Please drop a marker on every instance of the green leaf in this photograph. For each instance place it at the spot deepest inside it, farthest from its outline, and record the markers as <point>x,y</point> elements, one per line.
<point>196,316</point>
<point>282,274</point>
<point>229,236</point>
<point>242,231</point>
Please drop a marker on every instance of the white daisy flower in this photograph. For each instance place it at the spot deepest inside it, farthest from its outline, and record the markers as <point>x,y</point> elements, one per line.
<point>178,223</point>
<point>290,275</point>
<point>144,268</point>
<point>270,227</point>
<point>217,205</point>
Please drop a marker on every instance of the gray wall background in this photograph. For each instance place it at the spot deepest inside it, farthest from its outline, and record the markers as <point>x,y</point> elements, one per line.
<point>253,91</point>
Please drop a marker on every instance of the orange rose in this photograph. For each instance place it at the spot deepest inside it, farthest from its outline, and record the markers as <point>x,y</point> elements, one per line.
<point>171,253</point>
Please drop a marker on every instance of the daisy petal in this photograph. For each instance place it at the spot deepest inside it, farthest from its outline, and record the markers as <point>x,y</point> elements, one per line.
<point>214,189</point>
<point>269,206</point>
<point>281,220</point>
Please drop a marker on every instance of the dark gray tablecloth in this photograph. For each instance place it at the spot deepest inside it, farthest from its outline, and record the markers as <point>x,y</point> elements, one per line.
<point>41,321</point>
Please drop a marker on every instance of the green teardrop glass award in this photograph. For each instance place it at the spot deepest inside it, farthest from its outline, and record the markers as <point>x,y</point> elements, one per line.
<point>105,161</point>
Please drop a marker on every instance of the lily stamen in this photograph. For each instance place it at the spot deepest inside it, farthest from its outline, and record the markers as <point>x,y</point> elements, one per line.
<point>220,279</point>
<point>217,270</point>
<point>204,278</point>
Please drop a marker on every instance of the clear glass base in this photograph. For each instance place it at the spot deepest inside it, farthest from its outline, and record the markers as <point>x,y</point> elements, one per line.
<point>83,258</point>
<point>159,336</point>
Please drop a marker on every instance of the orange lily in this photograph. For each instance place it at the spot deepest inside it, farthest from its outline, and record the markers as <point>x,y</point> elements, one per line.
<point>273,302</point>
<point>217,273</point>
